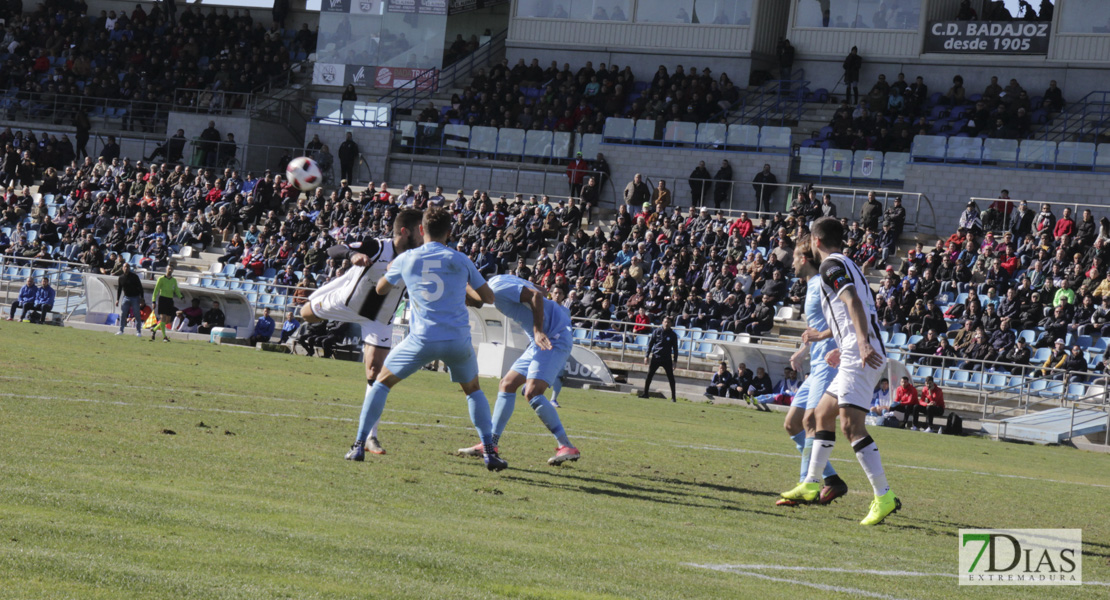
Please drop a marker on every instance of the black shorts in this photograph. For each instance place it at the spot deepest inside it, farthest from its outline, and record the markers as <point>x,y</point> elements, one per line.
<point>166,306</point>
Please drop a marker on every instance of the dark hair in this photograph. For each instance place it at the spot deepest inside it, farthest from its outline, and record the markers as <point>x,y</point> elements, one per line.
<point>408,218</point>
<point>523,272</point>
<point>829,231</point>
<point>805,246</point>
<point>437,222</point>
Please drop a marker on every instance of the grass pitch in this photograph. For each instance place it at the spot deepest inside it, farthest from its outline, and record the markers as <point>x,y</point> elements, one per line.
<point>131,469</point>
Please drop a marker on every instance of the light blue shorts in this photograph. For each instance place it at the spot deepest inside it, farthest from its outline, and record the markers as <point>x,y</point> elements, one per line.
<point>545,365</point>
<point>813,388</point>
<point>413,353</point>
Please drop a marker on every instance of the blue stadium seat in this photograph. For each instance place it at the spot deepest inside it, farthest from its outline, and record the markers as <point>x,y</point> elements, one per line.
<point>640,345</point>
<point>1037,386</point>
<point>1040,356</point>
<point>920,373</point>
<point>1054,389</point>
<point>1076,391</point>
<point>898,340</point>
<point>1028,335</point>
<point>996,382</point>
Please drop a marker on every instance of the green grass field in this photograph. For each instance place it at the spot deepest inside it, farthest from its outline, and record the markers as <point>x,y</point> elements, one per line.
<point>186,470</point>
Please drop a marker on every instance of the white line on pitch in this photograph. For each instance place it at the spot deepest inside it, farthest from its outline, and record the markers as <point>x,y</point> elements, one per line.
<point>883,573</point>
<point>738,570</point>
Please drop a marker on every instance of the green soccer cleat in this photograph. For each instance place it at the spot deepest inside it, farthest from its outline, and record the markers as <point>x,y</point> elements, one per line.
<point>803,493</point>
<point>882,507</point>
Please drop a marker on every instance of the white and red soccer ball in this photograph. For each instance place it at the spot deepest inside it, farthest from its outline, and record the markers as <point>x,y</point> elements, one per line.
<point>304,174</point>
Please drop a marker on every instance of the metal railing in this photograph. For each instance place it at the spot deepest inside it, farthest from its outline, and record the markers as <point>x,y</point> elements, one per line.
<point>427,83</point>
<point>65,277</point>
<point>112,112</point>
<point>1086,119</point>
<point>777,101</point>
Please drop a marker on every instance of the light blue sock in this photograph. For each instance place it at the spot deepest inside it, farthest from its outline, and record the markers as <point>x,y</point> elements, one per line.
<point>556,387</point>
<point>550,417</point>
<point>800,442</point>
<point>372,408</point>
<point>479,415</point>
<point>502,410</point>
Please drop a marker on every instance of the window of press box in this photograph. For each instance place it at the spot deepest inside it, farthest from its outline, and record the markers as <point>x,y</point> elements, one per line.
<point>577,10</point>
<point>859,14</point>
<point>704,12</point>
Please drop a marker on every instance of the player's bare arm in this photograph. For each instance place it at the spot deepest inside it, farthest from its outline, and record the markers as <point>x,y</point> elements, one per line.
<point>856,311</point>
<point>383,286</point>
<point>486,294</point>
<point>473,299</point>
<point>811,335</point>
<point>535,300</point>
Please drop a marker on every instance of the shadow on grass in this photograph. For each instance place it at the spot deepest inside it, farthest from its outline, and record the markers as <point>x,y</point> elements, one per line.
<point>635,492</point>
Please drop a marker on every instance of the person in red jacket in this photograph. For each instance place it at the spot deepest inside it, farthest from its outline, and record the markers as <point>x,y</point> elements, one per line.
<point>742,226</point>
<point>931,404</point>
<point>905,401</point>
<point>576,173</point>
<point>1065,226</point>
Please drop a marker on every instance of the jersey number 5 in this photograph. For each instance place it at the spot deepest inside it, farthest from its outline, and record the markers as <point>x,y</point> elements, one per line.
<point>427,274</point>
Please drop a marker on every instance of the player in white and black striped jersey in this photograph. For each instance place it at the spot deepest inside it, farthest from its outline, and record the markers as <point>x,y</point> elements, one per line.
<point>849,307</point>
<point>351,297</point>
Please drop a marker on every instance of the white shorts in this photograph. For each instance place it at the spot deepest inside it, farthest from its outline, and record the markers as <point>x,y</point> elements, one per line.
<point>855,385</point>
<point>329,303</point>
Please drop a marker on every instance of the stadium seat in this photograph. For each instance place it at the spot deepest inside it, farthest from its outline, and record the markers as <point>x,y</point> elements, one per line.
<point>1099,344</point>
<point>703,349</point>
<point>684,346</point>
<point>1054,389</point>
<point>885,336</point>
<point>112,319</point>
<point>898,340</point>
<point>1040,356</point>
<point>974,380</point>
<point>640,345</point>
<point>1076,391</point>
<point>1037,386</point>
<point>1028,335</point>
<point>996,382</point>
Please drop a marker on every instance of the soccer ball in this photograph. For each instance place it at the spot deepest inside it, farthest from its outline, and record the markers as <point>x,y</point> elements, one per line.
<point>304,174</point>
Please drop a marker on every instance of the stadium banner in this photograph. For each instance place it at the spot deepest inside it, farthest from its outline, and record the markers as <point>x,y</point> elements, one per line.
<point>327,74</point>
<point>586,366</point>
<point>462,6</point>
<point>420,7</point>
<point>339,6</point>
<point>392,78</point>
<point>366,7</point>
<point>1012,37</point>
<point>359,75</point>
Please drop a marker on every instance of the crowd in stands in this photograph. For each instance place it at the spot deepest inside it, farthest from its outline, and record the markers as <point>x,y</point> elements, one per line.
<point>57,61</point>
<point>530,97</point>
<point>892,114</point>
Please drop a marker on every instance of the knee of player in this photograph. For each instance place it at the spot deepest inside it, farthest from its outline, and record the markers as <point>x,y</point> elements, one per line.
<point>531,390</point>
<point>307,314</point>
<point>508,386</point>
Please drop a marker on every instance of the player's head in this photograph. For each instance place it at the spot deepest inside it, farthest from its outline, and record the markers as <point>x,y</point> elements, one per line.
<point>805,261</point>
<point>667,322</point>
<point>406,230</point>
<point>523,272</point>
<point>827,234</point>
<point>436,225</point>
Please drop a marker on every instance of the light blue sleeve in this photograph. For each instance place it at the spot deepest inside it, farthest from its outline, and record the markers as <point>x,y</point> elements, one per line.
<point>396,268</point>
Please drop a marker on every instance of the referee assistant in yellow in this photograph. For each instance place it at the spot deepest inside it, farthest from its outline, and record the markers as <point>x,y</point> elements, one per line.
<point>165,290</point>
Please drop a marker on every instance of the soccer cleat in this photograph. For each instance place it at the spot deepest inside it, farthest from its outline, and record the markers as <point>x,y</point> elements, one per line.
<point>831,492</point>
<point>785,502</point>
<point>555,404</point>
<point>138,334</point>
<point>881,508</point>
<point>563,454</point>
<point>475,450</point>
<point>358,452</point>
<point>803,493</point>
<point>119,333</point>
<point>373,446</point>
<point>494,462</point>
<point>166,339</point>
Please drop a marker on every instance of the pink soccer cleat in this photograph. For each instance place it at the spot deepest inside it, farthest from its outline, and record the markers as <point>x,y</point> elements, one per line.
<point>563,454</point>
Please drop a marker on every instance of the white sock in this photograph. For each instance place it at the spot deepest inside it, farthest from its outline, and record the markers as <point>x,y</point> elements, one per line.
<point>823,442</point>
<point>868,454</point>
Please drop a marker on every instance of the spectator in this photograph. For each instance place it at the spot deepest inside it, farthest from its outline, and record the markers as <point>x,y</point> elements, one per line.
<point>700,184</point>
<point>636,194</point>
<point>263,329</point>
<point>576,174</point>
<point>661,197</point>
<point>723,384</point>
<point>881,400</point>
<point>213,318</point>
<point>348,155</point>
<point>870,213</point>
<point>189,319</point>
<point>852,65</point>
<point>905,398</point>
<point>764,184</point>
<point>785,54</point>
<point>783,393</point>
<point>722,185</point>
<point>326,336</point>
<point>288,327</point>
<point>931,405</point>
<point>759,384</point>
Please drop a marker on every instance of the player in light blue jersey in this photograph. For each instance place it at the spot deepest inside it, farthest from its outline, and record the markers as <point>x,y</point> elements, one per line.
<point>801,423</point>
<point>437,278</point>
<point>547,325</point>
